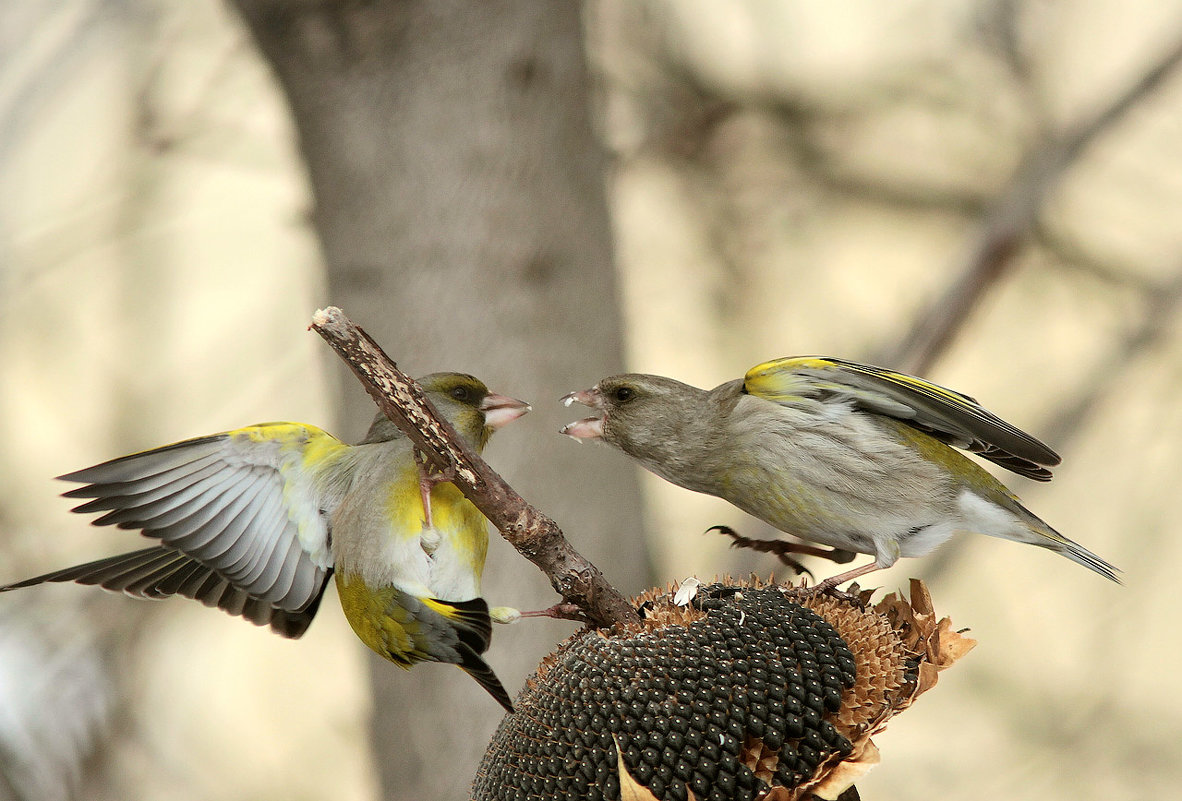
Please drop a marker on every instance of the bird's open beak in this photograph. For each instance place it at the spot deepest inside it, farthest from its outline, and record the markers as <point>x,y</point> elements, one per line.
<point>501,410</point>
<point>588,427</point>
<point>587,397</point>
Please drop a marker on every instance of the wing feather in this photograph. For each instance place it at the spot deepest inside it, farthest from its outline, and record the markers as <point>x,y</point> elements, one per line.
<point>202,585</point>
<point>186,512</point>
<point>160,572</point>
<point>145,469</point>
<point>952,417</point>
<point>166,565</point>
<point>238,516</point>
<point>243,518</point>
<point>282,571</point>
<point>123,495</point>
<point>172,583</point>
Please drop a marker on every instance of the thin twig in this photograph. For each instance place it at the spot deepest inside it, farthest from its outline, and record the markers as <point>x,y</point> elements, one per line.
<point>1002,231</point>
<point>532,533</point>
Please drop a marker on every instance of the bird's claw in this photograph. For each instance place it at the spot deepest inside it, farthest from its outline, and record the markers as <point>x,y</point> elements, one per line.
<point>778,548</point>
<point>828,587</point>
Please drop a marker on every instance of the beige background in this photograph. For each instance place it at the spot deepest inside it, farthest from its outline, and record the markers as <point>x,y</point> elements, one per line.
<point>789,178</point>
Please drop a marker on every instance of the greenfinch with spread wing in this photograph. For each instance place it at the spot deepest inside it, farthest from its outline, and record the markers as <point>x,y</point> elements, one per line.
<point>256,520</point>
<point>849,455</point>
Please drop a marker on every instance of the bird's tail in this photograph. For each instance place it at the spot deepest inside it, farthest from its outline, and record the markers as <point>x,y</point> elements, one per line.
<point>470,619</point>
<point>1046,537</point>
<point>478,669</point>
<point>474,628</point>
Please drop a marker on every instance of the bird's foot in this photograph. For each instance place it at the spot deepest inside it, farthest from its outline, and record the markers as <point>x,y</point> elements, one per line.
<point>829,587</point>
<point>781,548</point>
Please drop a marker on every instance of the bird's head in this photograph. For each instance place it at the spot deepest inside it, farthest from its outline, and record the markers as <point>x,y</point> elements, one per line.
<point>473,411</point>
<point>465,402</point>
<point>637,413</point>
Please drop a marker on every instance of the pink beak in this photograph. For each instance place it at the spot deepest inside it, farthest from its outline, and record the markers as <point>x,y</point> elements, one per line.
<point>587,397</point>
<point>589,427</point>
<point>501,410</point>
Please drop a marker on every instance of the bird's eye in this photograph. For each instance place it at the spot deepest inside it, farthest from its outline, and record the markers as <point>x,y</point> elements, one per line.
<point>622,394</point>
<point>460,393</point>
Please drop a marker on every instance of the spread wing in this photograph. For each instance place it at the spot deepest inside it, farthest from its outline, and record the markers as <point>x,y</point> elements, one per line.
<point>162,572</point>
<point>952,417</point>
<point>243,520</point>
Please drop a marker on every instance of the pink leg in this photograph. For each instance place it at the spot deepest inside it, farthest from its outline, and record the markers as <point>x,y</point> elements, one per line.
<point>830,584</point>
<point>427,482</point>
<point>425,494</point>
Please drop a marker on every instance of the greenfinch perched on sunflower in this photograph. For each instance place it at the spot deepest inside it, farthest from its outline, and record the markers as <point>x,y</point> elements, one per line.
<point>849,455</point>
<point>256,520</point>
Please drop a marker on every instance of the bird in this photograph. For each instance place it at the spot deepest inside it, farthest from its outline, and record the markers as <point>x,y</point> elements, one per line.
<point>850,455</point>
<point>256,520</point>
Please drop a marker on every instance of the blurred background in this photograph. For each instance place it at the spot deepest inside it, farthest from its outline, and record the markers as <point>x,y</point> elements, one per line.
<point>987,192</point>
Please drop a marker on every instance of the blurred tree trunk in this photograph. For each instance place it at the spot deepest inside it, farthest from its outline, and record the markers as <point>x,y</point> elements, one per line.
<point>460,204</point>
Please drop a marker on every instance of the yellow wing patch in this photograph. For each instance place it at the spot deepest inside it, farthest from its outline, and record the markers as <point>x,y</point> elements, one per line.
<point>909,381</point>
<point>397,625</point>
<point>304,451</point>
<point>315,444</point>
<point>778,380</point>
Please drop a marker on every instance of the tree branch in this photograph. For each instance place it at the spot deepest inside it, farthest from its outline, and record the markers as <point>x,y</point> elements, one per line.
<point>533,534</point>
<point>1011,218</point>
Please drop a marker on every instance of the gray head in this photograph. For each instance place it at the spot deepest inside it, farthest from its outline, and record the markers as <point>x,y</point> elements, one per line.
<point>659,421</point>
